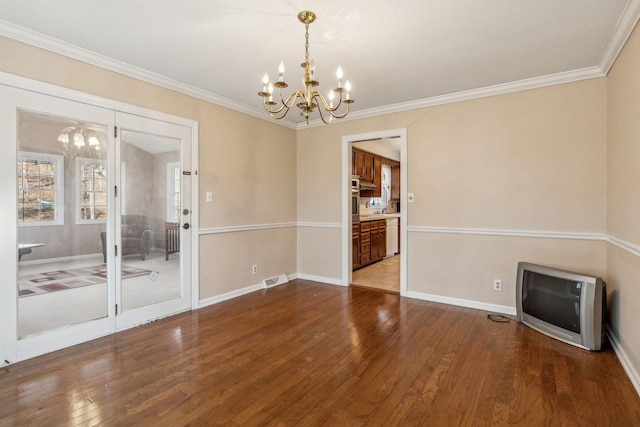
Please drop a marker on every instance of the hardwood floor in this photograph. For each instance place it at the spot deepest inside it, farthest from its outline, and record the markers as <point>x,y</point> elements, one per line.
<point>311,354</point>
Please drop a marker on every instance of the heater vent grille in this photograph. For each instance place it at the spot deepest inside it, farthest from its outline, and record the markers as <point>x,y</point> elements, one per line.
<point>275,281</point>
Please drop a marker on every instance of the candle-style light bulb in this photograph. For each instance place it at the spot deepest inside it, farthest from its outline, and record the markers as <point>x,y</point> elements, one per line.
<point>265,82</point>
<point>331,96</point>
<point>281,72</point>
<point>339,75</point>
<point>347,86</point>
<point>270,90</point>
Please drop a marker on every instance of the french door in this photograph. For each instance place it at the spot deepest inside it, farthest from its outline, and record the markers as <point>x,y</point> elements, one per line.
<point>96,207</point>
<point>153,216</point>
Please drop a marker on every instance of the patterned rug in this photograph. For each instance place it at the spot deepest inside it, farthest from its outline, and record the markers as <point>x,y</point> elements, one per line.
<point>53,281</point>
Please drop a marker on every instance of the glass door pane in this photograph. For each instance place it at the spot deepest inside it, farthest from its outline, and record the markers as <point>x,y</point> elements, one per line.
<point>150,216</point>
<point>62,215</point>
<point>154,245</point>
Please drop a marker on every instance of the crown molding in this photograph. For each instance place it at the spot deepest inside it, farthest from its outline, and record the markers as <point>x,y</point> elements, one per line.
<point>483,92</point>
<point>624,27</point>
<point>623,30</point>
<point>33,38</point>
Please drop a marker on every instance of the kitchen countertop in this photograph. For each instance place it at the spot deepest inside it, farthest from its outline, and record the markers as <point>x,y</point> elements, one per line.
<point>374,217</point>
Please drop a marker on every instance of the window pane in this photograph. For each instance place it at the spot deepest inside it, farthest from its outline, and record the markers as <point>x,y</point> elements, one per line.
<point>100,212</point>
<point>93,190</point>
<point>31,197</point>
<point>30,213</point>
<point>100,199</point>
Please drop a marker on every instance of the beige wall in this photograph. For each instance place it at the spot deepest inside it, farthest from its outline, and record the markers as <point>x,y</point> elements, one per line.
<point>526,162</point>
<point>247,163</point>
<point>464,266</point>
<point>623,197</point>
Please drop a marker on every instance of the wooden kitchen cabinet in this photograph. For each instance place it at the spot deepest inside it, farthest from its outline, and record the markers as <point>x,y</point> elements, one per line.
<point>368,171</point>
<point>372,242</point>
<point>362,164</point>
<point>378,240</point>
<point>395,181</point>
<point>355,245</point>
<point>357,162</point>
<point>377,176</point>
<point>365,243</point>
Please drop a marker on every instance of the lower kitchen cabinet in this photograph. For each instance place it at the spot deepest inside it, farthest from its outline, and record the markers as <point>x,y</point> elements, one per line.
<point>365,243</point>
<point>355,245</point>
<point>372,243</point>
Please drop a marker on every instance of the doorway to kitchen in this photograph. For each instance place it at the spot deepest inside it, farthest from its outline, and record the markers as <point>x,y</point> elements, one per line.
<point>374,236</point>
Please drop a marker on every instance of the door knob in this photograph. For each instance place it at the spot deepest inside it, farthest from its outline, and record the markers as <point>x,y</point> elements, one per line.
<point>186,226</point>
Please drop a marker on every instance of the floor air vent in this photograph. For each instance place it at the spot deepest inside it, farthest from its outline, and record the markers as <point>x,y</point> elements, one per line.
<point>275,281</point>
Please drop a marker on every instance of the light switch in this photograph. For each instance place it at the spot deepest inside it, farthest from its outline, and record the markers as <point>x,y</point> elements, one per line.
<point>209,197</point>
<point>409,197</point>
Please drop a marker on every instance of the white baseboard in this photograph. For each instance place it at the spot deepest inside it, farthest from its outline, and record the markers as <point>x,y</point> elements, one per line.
<point>329,280</point>
<point>503,309</point>
<point>229,295</point>
<point>624,360</point>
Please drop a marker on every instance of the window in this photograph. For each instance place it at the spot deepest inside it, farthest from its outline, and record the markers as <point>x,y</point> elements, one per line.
<point>173,192</point>
<point>92,190</point>
<point>40,189</point>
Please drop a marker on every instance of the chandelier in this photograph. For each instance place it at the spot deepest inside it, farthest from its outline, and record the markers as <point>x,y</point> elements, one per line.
<point>309,98</point>
<point>86,142</point>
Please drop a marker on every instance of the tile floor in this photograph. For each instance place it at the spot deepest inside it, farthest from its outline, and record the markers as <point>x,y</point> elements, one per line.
<point>384,275</point>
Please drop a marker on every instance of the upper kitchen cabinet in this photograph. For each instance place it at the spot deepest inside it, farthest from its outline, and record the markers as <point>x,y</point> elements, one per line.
<point>377,176</point>
<point>395,181</point>
<point>368,166</point>
<point>362,165</point>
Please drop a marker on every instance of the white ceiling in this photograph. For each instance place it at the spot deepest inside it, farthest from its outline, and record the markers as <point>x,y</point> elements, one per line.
<point>396,54</point>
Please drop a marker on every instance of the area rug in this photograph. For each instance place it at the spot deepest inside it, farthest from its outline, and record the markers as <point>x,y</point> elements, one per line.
<point>53,281</point>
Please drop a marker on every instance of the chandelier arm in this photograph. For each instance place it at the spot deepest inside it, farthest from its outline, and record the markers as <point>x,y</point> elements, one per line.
<point>325,104</point>
<point>268,107</point>
<point>343,115</point>
<point>292,98</point>
<point>326,122</point>
<point>274,115</point>
<point>286,105</point>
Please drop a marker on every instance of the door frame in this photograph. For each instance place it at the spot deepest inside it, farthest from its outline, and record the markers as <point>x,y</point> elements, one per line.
<point>10,351</point>
<point>347,257</point>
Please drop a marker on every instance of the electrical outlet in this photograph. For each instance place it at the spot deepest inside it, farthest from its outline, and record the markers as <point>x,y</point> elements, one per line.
<point>254,269</point>
<point>497,285</point>
<point>209,197</point>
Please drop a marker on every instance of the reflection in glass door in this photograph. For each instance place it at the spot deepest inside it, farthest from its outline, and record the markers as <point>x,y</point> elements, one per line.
<point>150,217</point>
<point>153,255</point>
<point>62,215</point>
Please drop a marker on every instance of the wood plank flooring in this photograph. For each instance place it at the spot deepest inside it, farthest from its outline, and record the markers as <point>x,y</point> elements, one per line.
<point>310,354</point>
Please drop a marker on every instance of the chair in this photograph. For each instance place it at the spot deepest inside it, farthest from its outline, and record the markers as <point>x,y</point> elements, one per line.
<point>136,237</point>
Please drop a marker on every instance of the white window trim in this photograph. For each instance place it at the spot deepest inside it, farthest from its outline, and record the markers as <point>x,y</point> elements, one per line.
<point>58,187</point>
<point>79,162</point>
<point>170,183</point>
